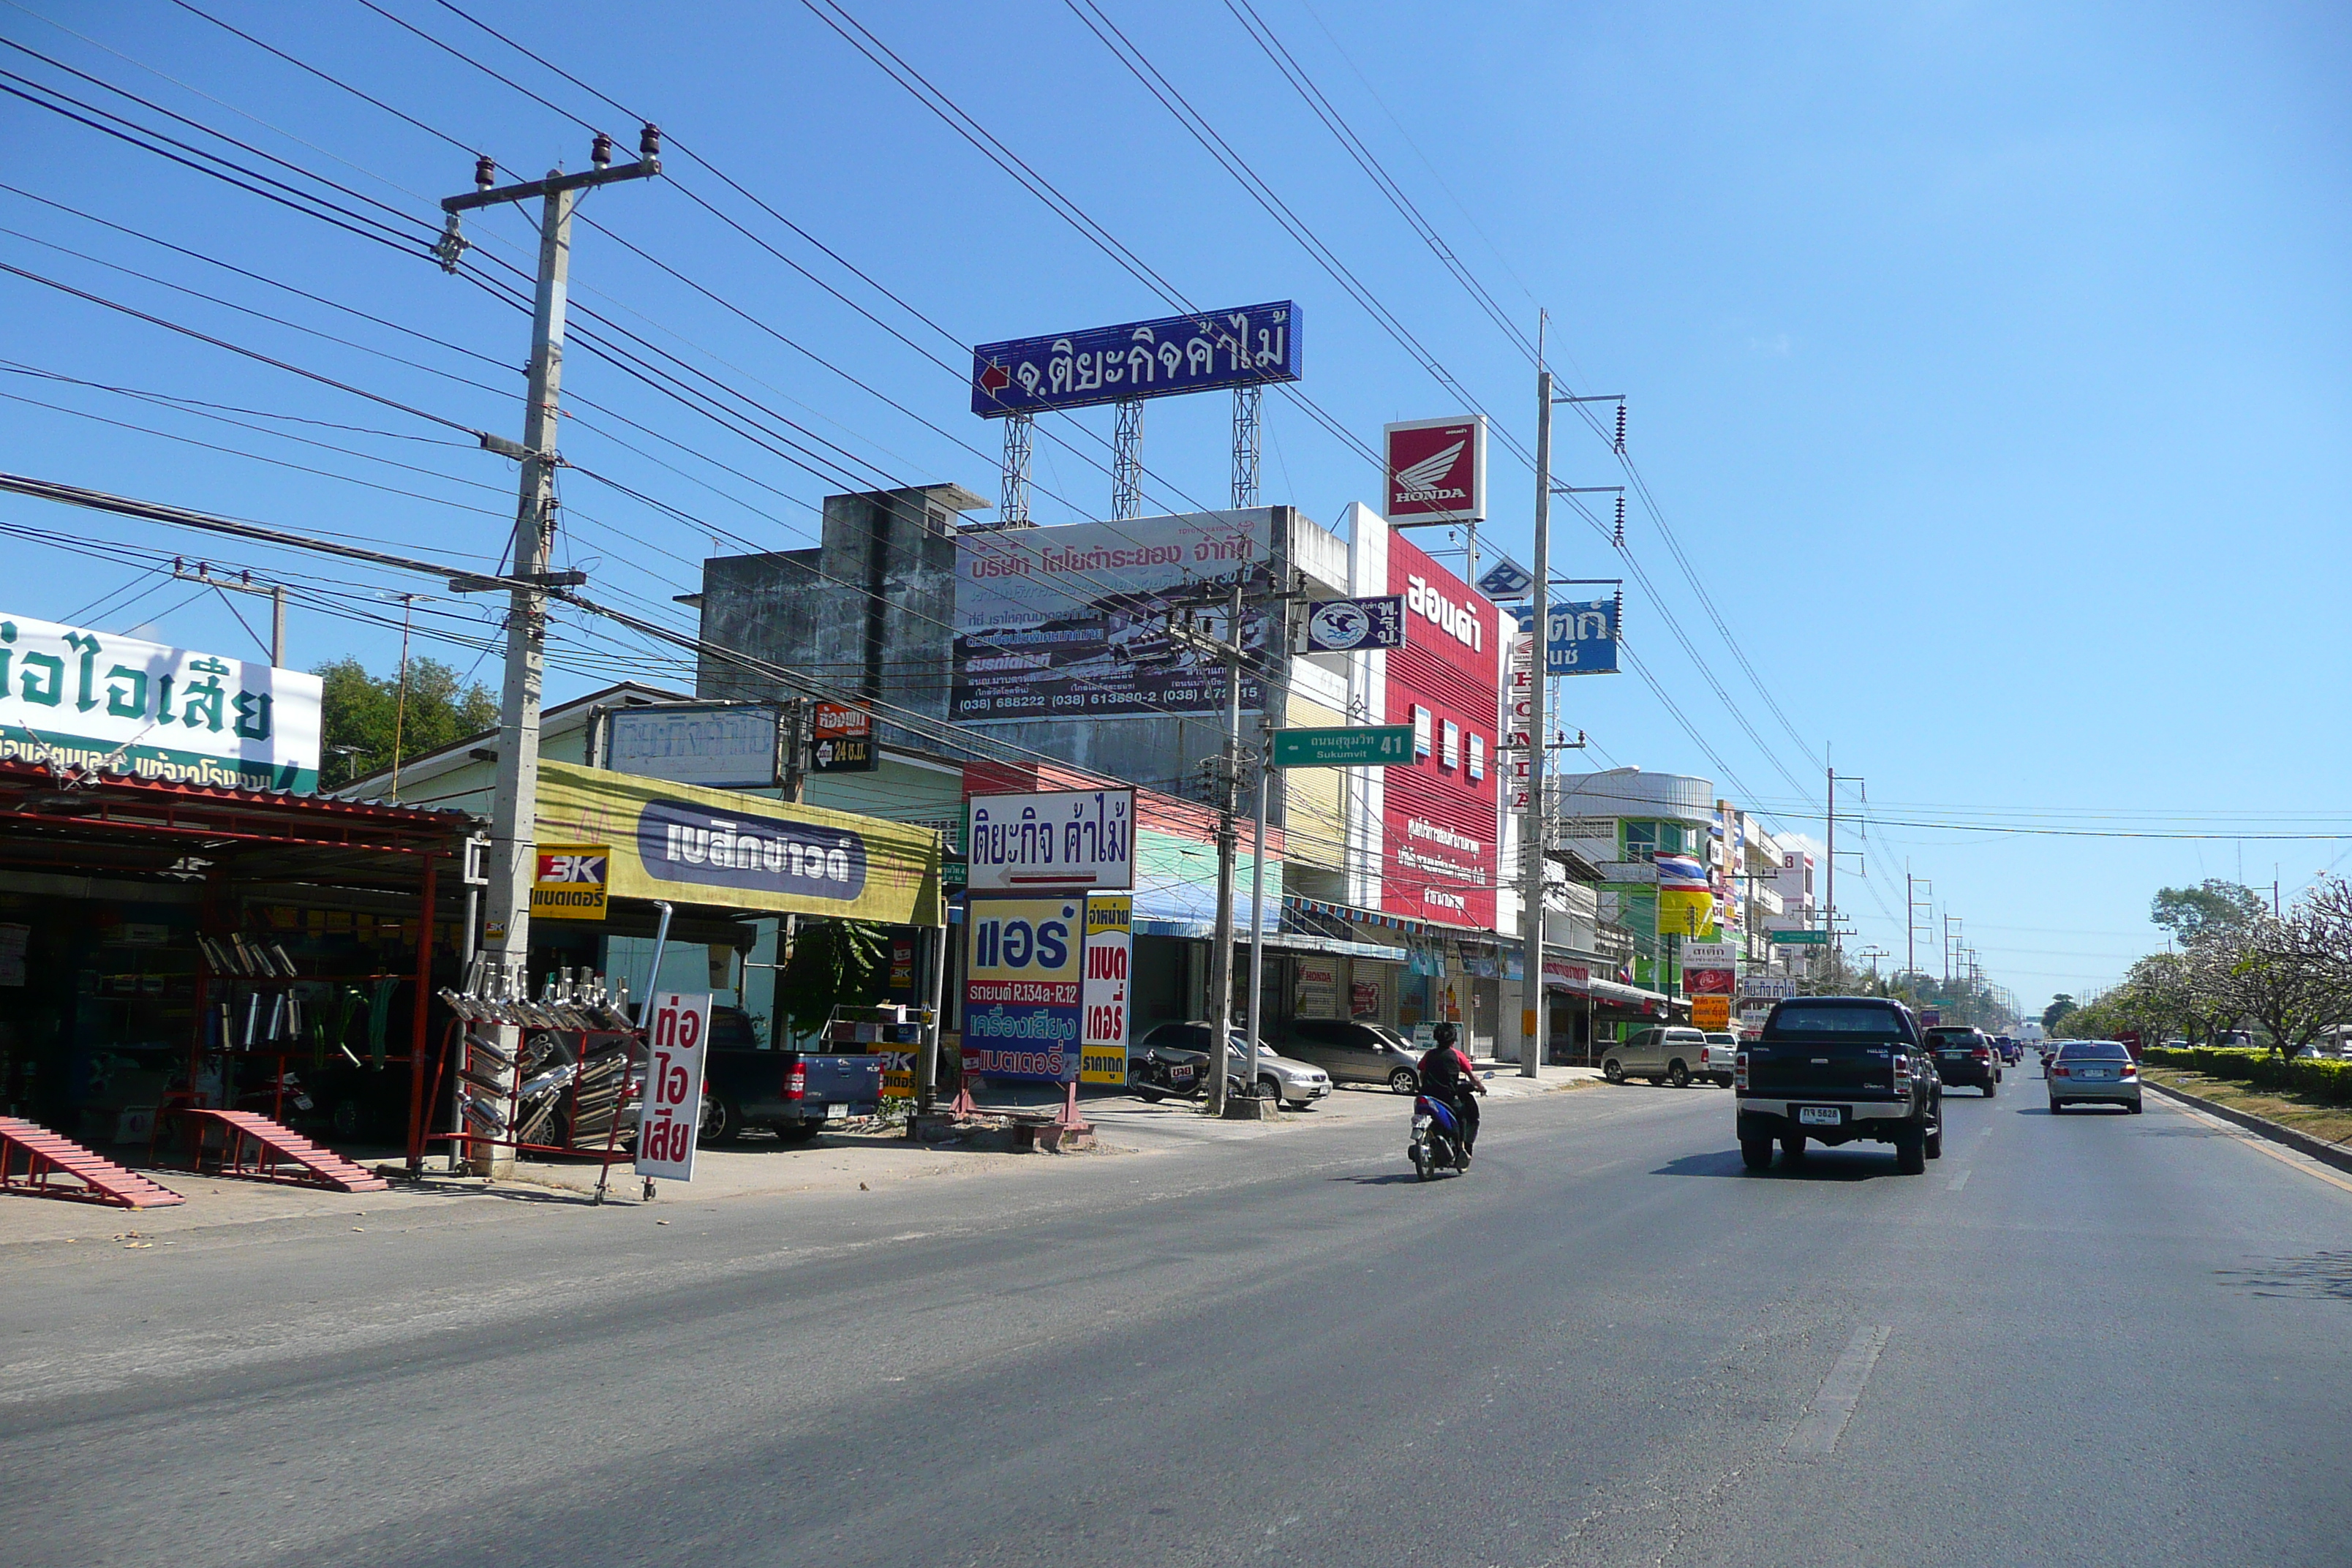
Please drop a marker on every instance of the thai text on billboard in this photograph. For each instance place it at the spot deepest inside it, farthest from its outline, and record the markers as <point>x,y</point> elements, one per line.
<point>1073,621</point>
<point>1440,823</point>
<point>1024,987</point>
<point>1055,838</point>
<point>1249,345</point>
<point>75,697</point>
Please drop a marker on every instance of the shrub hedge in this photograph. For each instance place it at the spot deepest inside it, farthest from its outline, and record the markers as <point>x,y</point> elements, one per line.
<point>2330,1081</point>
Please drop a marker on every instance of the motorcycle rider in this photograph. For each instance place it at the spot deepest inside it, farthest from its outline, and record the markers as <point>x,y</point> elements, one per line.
<point>1447,1074</point>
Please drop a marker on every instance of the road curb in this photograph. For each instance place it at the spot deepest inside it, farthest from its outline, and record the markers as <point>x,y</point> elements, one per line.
<point>2317,1148</point>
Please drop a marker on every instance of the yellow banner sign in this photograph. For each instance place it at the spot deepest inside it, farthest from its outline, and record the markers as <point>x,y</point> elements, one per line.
<point>1710,1011</point>
<point>697,846</point>
<point>569,881</point>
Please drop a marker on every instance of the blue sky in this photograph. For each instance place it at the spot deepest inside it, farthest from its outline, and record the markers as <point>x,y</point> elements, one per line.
<point>1985,361</point>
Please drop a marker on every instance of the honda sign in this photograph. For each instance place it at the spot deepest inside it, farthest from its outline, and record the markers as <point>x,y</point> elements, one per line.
<point>1437,470</point>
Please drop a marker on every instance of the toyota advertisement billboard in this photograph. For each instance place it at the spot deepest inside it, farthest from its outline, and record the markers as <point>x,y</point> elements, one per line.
<point>1437,470</point>
<point>1440,816</point>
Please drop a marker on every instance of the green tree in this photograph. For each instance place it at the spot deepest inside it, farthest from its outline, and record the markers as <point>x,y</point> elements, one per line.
<point>2211,910</point>
<point>832,963</point>
<point>2055,1014</point>
<point>366,719</point>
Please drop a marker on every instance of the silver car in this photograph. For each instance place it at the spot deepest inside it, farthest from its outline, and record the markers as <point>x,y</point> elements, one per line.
<point>2094,1072</point>
<point>1296,1083</point>
<point>1668,1053</point>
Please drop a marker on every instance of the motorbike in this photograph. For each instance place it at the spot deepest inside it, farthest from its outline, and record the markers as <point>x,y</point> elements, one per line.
<point>1436,1138</point>
<point>1158,1073</point>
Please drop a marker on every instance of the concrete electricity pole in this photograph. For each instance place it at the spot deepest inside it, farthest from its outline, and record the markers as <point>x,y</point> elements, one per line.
<point>1533,1014</point>
<point>514,808</point>
<point>1221,953</point>
<point>243,583</point>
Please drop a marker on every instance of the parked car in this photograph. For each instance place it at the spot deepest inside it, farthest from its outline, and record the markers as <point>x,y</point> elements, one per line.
<point>1355,1052</point>
<point>1663,1053</point>
<point>792,1093</point>
<point>1296,1083</point>
<point>1839,1070</point>
<point>2094,1072</point>
<point>1964,1057</point>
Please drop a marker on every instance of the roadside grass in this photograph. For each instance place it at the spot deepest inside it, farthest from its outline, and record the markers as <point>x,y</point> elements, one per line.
<point>2320,1120</point>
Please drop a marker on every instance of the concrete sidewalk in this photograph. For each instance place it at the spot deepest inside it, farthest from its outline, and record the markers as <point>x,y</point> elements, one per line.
<point>848,1160</point>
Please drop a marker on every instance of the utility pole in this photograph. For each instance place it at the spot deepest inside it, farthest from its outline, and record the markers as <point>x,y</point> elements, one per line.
<point>1221,952</point>
<point>243,583</point>
<point>1533,1014</point>
<point>1829,891</point>
<point>515,804</point>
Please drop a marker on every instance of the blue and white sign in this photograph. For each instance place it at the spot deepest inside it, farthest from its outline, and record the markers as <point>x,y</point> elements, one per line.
<point>1583,639</point>
<point>1506,579</point>
<point>1354,626</point>
<point>1249,347</point>
<point>1584,636</point>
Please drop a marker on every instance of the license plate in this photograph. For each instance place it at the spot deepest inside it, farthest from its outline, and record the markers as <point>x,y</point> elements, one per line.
<point>2096,1072</point>
<point>1180,1075</point>
<point>1956,1055</point>
<point>1817,1116</point>
<point>837,1113</point>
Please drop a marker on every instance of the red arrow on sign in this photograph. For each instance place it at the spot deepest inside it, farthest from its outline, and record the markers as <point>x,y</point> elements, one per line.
<point>995,378</point>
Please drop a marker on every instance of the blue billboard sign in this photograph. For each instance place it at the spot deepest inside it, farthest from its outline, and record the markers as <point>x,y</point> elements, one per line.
<point>1584,636</point>
<point>1248,346</point>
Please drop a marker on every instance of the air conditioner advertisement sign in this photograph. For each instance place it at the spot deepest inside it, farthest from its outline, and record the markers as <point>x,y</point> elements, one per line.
<point>1023,989</point>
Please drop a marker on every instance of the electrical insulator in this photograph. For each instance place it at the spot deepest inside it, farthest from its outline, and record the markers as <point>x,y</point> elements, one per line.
<point>1617,628</point>
<point>1619,538</point>
<point>486,172</point>
<point>600,151</point>
<point>649,143</point>
<point>1621,429</point>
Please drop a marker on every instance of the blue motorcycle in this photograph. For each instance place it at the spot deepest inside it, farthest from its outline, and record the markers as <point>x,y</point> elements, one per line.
<point>1436,1138</point>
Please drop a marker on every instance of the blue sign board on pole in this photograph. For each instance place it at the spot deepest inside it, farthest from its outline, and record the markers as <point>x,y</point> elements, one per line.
<point>1352,626</point>
<point>1506,579</point>
<point>1584,636</point>
<point>1248,346</point>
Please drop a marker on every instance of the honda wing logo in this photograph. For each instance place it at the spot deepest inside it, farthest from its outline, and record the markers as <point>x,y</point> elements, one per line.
<point>1437,470</point>
<point>1420,481</point>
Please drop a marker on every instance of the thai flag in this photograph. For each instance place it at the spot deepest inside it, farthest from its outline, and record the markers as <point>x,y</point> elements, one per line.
<point>1681,874</point>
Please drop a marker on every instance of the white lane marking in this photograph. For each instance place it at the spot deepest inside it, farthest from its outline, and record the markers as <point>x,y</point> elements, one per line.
<point>1957,1182</point>
<point>1832,1408</point>
<point>1986,1134</point>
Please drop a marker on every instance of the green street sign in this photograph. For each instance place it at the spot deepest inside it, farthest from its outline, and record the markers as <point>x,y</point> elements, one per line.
<point>1353,747</point>
<point>1801,939</point>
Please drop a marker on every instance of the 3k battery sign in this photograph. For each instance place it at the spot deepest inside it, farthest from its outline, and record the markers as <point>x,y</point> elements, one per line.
<point>570,882</point>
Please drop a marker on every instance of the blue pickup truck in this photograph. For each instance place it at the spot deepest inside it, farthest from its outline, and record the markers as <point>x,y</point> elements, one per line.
<point>794,1093</point>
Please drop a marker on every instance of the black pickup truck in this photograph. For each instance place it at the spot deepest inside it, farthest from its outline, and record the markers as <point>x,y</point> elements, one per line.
<point>1836,1070</point>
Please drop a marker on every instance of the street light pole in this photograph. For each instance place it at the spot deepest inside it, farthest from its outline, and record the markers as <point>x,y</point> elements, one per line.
<point>515,802</point>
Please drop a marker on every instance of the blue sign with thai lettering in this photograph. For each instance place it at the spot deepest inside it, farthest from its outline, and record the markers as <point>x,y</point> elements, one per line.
<point>1248,346</point>
<point>1584,636</point>
<point>1582,639</point>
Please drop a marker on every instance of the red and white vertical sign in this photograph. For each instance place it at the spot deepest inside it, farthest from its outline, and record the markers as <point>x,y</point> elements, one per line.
<point>671,1107</point>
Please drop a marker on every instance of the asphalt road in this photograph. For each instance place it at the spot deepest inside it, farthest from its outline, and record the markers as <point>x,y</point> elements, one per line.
<point>2086,1340</point>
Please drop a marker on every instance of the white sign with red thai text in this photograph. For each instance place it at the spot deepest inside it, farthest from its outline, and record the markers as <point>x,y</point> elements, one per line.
<point>671,1107</point>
